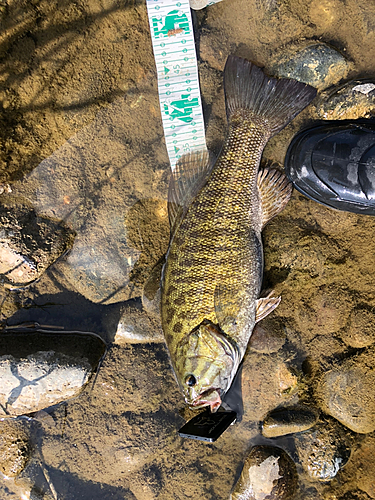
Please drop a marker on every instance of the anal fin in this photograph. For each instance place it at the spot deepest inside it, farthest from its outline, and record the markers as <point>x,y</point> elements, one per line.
<point>265,306</point>
<point>274,192</point>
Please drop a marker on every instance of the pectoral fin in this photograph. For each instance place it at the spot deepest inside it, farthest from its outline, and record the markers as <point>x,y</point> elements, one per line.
<point>274,192</point>
<point>266,305</point>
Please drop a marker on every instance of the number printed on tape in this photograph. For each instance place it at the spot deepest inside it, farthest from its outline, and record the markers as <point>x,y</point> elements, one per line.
<point>176,63</point>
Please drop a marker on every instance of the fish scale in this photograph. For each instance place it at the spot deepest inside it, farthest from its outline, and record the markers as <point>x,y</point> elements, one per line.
<point>202,257</point>
<point>213,272</point>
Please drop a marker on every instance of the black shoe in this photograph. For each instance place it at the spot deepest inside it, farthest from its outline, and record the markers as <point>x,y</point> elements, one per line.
<point>334,164</point>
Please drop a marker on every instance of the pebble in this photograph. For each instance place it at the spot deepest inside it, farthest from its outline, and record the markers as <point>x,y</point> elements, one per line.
<point>29,244</point>
<point>323,450</point>
<point>15,446</point>
<point>283,421</point>
<point>347,392</point>
<point>314,63</point>
<point>268,474</point>
<point>350,101</point>
<point>361,329</point>
<point>268,336</point>
<point>38,370</point>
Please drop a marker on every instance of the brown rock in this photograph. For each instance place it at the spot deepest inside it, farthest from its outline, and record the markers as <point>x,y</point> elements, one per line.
<point>268,336</point>
<point>289,420</point>
<point>361,329</point>
<point>323,450</point>
<point>347,393</point>
<point>15,446</point>
<point>268,473</point>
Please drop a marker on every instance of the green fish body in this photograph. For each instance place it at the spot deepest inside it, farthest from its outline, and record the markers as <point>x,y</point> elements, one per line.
<point>213,272</point>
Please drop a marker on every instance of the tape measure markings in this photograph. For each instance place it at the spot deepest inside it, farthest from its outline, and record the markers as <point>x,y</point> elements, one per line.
<point>178,84</point>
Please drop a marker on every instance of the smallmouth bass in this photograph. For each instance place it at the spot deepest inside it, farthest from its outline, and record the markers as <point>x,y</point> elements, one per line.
<point>212,277</point>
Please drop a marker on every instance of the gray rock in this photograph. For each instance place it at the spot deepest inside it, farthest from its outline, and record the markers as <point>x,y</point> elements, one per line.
<point>268,473</point>
<point>323,450</point>
<point>92,182</point>
<point>29,244</point>
<point>15,446</point>
<point>314,63</point>
<point>350,101</point>
<point>283,421</point>
<point>42,369</point>
<point>136,326</point>
<point>347,392</point>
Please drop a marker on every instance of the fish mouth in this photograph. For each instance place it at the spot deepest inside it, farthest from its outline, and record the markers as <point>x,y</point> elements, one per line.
<point>210,398</point>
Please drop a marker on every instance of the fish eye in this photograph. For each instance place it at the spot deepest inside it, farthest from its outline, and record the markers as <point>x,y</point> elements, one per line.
<point>190,380</point>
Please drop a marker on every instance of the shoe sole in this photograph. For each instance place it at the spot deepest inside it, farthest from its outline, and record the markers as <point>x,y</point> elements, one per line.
<point>334,165</point>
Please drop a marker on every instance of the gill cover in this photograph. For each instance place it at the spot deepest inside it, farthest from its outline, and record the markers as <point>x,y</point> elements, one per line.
<point>208,361</point>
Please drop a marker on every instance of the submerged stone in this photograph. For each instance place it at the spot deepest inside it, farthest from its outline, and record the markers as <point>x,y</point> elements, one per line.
<point>323,450</point>
<point>361,329</point>
<point>283,421</point>
<point>315,63</point>
<point>40,369</point>
<point>29,244</point>
<point>15,446</point>
<point>347,392</point>
<point>136,326</point>
<point>268,473</point>
<point>350,101</point>
<point>268,336</point>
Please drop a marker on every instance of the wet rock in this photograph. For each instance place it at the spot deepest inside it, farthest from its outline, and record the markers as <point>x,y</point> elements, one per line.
<point>266,374</point>
<point>268,336</point>
<point>147,228</point>
<point>15,446</point>
<point>361,329</point>
<point>323,450</point>
<point>347,392</point>
<point>268,473</point>
<point>317,64</point>
<point>362,465</point>
<point>92,182</point>
<point>289,420</point>
<point>29,244</point>
<point>351,101</point>
<point>136,326</point>
<point>326,312</point>
<point>324,13</point>
<point>41,369</point>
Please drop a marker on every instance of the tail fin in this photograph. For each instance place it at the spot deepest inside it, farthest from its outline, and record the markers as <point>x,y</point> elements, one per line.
<point>278,101</point>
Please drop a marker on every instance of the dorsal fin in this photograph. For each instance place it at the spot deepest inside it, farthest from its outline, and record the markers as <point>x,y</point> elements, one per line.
<point>274,192</point>
<point>190,175</point>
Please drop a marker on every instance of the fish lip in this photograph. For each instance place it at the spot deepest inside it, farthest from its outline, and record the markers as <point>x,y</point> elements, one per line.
<point>204,400</point>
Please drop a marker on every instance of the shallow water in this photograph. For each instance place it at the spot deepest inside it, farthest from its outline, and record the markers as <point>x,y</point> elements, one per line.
<point>82,142</point>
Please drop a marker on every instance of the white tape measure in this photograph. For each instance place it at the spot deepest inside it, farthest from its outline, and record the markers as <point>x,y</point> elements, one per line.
<point>176,63</point>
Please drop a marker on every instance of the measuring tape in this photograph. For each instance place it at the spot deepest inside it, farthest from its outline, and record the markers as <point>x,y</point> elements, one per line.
<point>176,63</point>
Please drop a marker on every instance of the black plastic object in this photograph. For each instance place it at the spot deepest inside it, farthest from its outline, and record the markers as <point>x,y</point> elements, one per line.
<point>334,164</point>
<point>208,426</point>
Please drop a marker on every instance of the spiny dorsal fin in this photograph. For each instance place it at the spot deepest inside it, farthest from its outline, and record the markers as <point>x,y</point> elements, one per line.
<point>191,173</point>
<point>275,100</point>
<point>265,306</point>
<point>274,192</point>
